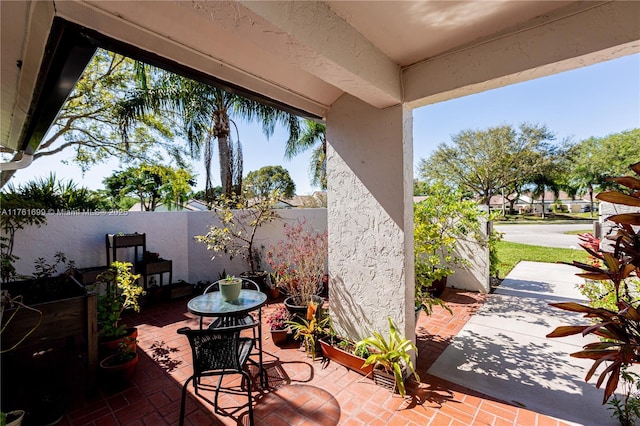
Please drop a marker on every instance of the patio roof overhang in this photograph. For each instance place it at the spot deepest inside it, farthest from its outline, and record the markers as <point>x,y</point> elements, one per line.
<point>304,55</point>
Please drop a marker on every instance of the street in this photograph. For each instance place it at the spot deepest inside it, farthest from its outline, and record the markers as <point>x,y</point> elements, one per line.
<point>547,235</point>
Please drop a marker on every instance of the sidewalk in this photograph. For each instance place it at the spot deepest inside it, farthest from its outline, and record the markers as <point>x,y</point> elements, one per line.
<point>503,352</point>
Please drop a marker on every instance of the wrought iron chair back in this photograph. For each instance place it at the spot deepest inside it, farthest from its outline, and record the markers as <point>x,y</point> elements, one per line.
<point>217,352</point>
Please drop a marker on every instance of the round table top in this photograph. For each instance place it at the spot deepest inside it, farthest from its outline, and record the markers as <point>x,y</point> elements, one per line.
<point>211,304</point>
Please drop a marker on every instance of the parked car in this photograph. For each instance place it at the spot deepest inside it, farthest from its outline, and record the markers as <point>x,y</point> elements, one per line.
<point>585,209</point>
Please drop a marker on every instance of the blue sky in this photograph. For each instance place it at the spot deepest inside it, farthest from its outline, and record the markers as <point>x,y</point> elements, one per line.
<point>591,101</point>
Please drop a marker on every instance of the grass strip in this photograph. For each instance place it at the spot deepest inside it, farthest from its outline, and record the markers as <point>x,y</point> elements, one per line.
<point>509,254</point>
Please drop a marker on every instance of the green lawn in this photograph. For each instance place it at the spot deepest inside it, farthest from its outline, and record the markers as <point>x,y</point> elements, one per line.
<point>509,254</point>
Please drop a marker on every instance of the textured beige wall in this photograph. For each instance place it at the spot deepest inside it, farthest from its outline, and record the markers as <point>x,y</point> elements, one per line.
<point>370,218</point>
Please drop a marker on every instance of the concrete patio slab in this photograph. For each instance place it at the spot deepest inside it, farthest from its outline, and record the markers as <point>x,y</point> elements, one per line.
<point>503,352</point>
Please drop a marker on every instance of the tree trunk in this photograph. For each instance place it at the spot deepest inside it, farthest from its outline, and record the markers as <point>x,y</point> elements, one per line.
<point>222,133</point>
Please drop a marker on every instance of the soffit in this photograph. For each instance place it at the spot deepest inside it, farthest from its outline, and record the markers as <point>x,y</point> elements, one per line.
<point>412,31</point>
<point>303,54</point>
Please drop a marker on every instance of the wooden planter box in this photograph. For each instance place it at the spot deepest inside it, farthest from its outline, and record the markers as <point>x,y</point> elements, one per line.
<point>345,358</point>
<point>88,276</point>
<point>126,240</point>
<point>68,310</point>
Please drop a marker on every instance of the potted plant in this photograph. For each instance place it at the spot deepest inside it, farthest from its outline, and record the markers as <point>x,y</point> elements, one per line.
<point>344,351</point>
<point>121,292</point>
<point>240,219</point>
<point>230,288</point>
<point>619,328</point>
<point>390,357</point>
<point>440,220</point>
<point>299,263</point>
<point>119,367</point>
<point>310,329</point>
<point>278,326</point>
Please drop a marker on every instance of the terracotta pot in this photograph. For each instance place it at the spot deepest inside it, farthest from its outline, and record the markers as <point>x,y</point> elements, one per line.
<point>115,372</point>
<point>109,347</point>
<point>279,337</point>
<point>349,360</point>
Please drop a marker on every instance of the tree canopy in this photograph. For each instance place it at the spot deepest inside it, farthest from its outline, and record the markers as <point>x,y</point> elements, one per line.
<point>593,160</point>
<point>485,161</point>
<point>151,185</point>
<point>207,115</point>
<point>88,122</point>
<point>262,182</point>
<point>312,136</point>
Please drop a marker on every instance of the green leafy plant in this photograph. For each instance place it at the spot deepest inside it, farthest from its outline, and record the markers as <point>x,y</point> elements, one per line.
<point>441,220</point>
<point>627,409</point>
<point>121,292</point>
<point>618,329</point>
<point>393,354</point>
<point>310,329</point>
<point>124,354</point>
<point>240,219</point>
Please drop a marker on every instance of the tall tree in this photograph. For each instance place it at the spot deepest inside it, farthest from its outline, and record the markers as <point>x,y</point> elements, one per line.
<point>485,161</point>
<point>266,180</point>
<point>151,184</point>
<point>88,123</point>
<point>595,159</point>
<point>312,136</point>
<point>206,113</point>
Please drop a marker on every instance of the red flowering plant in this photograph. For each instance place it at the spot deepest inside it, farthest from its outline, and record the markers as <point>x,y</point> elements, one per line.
<point>299,262</point>
<point>278,319</point>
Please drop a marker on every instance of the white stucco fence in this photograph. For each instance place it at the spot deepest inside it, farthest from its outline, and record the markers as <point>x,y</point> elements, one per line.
<point>171,234</point>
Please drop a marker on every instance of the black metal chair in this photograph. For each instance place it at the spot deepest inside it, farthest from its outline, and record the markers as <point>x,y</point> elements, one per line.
<point>218,352</point>
<point>247,321</point>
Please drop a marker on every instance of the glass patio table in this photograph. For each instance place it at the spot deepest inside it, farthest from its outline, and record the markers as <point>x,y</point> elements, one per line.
<point>211,304</point>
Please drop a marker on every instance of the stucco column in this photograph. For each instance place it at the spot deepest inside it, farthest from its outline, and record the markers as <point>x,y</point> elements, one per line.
<point>370,217</point>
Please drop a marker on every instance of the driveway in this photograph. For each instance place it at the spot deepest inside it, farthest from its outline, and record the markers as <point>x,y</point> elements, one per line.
<point>546,235</point>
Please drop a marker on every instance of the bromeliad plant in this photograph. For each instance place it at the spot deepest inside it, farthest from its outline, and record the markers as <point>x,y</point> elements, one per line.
<point>392,355</point>
<point>619,330</point>
<point>310,329</point>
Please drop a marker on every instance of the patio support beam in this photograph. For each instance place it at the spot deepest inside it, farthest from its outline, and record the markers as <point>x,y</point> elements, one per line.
<point>582,35</point>
<point>370,217</point>
<point>312,37</point>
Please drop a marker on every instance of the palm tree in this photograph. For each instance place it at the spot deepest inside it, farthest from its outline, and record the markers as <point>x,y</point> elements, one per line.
<point>205,112</point>
<point>313,135</point>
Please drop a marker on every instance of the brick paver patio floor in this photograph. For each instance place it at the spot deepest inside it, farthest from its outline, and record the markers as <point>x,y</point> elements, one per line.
<point>301,391</point>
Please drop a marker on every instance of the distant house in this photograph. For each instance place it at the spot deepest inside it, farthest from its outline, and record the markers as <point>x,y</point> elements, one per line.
<point>526,203</point>
<point>192,205</point>
<point>316,200</point>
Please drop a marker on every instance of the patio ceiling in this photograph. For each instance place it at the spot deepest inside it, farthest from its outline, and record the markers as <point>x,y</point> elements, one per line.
<point>305,55</point>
